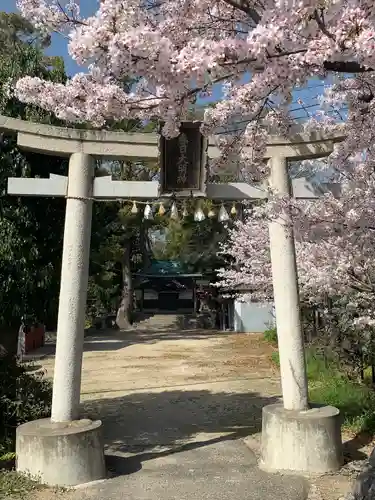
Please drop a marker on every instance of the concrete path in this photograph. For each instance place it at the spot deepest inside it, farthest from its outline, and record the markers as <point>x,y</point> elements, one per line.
<point>222,471</point>
<point>175,407</point>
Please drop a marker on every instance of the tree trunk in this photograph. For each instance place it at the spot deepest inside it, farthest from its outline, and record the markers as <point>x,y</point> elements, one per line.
<point>125,311</point>
<point>145,246</point>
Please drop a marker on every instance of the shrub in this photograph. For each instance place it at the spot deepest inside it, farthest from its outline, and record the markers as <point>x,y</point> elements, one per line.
<point>15,486</point>
<point>319,364</point>
<point>24,396</point>
<point>275,358</point>
<point>270,336</point>
<point>329,385</point>
<point>356,402</point>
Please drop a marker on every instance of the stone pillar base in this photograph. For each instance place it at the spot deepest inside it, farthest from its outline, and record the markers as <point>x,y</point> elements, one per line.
<point>301,441</point>
<point>61,454</point>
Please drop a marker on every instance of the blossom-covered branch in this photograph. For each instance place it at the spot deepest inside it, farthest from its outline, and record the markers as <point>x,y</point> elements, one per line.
<point>178,50</point>
<point>335,241</point>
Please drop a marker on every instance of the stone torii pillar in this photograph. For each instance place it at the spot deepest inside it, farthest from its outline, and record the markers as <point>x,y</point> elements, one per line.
<point>65,450</point>
<point>286,298</point>
<point>73,289</point>
<point>296,436</point>
<point>77,454</point>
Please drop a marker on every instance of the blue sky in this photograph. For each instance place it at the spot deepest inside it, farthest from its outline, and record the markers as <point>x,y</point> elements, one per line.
<point>59,47</point>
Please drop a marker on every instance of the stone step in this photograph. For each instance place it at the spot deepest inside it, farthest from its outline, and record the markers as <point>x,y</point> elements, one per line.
<point>167,321</point>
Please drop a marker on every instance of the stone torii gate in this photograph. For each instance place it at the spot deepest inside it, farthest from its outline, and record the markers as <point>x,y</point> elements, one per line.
<point>67,451</point>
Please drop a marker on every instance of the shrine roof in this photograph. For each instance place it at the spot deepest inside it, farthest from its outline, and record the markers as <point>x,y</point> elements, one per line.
<point>166,268</point>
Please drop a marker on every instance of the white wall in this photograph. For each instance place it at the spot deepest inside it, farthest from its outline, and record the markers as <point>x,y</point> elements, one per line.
<point>253,317</point>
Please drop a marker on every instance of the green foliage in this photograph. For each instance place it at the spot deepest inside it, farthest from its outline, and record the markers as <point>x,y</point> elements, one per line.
<point>24,396</point>
<point>116,252</point>
<point>270,336</point>
<point>16,32</point>
<point>22,54</point>
<point>31,229</point>
<point>332,326</point>
<point>105,274</point>
<point>329,385</point>
<point>120,239</point>
<point>355,402</point>
<point>17,486</point>
<point>318,365</point>
<point>9,456</point>
<point>275,358</point>
<point>194,244</point>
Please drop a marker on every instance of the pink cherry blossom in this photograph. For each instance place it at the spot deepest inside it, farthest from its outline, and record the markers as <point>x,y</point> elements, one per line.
<point>335,238</point>
<point>178,50</point>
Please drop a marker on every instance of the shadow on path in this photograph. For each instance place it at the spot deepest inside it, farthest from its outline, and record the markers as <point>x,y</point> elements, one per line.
<point>352,448</point>
<point>143,426</point>
<point>112,340</point>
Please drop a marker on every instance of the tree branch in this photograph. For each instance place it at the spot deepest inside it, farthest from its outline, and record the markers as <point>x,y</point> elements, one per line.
<point>320,22</point>
<point>345,67</point>
<point>243,5</point>
<point>336,66</point>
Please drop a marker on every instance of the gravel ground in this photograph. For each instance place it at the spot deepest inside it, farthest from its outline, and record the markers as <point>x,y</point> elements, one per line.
<point>162,391</point>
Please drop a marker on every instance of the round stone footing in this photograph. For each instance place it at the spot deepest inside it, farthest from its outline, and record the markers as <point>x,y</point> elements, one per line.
<point>301,441</point>
<point>61,454</point>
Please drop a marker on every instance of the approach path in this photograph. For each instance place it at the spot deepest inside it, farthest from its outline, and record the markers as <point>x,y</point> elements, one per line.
<point>176,403</point>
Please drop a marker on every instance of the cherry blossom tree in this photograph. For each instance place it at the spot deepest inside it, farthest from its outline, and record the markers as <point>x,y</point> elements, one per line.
<point>335,241</point>
<point>178,50</point>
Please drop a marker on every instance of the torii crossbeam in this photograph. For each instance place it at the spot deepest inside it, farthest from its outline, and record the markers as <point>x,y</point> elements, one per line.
<point>81,188</point>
